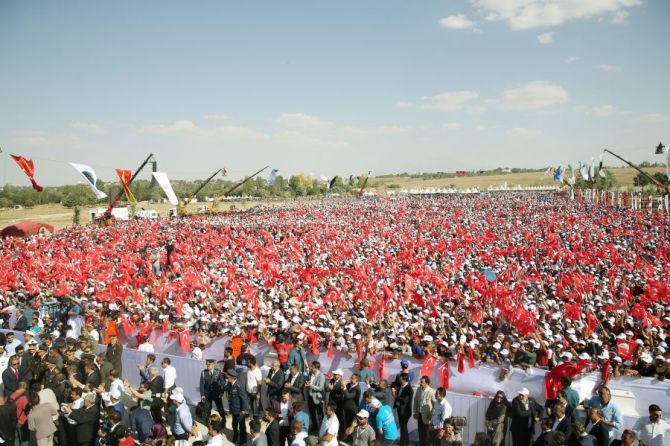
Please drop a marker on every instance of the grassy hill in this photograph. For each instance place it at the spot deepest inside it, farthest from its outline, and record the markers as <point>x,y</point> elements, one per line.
<point>623,175</point>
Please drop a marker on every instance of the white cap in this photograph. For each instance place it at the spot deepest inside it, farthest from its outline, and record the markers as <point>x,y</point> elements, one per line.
<point>524,391</point>
<point>363,414</point>
<point>178,397</point>
<point>337,372</point>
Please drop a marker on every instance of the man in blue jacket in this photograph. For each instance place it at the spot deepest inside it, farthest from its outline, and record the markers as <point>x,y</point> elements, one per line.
<point>238,404</point>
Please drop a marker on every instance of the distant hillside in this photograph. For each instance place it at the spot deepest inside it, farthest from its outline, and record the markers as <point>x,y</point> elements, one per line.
<point>623,176</point>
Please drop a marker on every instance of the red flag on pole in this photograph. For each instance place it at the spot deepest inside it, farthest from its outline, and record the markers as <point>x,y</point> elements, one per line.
<point>185,340</point>
<point>461,361</point>
<point>28,168</point>
<point>444,374</point>
<point>471,359</point>
<point>428,365</point>
<point>331,353</point>
<point>125,176</point>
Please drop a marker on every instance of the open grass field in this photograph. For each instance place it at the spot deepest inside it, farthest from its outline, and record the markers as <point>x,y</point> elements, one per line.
<point>624,177</point>
<point>62,217</point>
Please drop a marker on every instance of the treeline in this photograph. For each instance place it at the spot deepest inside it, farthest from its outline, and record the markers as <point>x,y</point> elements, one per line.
<point>80,195</point>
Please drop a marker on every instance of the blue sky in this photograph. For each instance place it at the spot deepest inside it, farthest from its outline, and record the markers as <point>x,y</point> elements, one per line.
<point>325,88</point>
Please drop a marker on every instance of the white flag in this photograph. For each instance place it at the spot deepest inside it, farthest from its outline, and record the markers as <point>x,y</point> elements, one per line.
<point>164,183</point>
<point>89,175</point>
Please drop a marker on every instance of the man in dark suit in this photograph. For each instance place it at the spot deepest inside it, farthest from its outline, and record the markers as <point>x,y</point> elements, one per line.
<point>21,321</point>
<point>403,405</point>
<point>549,437</point>
<point>238,403</point>
<point>87,421</point>
<point>295,383</point>
<point>156,381</point>
<point>595,427</point>
<point>211,387</point>
<point>91,375</point>
<point>140,421</point>
<point>26,364</point>
<point>11,376</point>
<point>562,422</point>
<point>8,421</point>
<point>272,431</point>
<point>525,412</point>
<point>275,382</point>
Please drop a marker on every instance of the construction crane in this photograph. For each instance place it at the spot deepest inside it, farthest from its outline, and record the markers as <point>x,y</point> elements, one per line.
<point>182,209</point>
<point>223,196</point>
<point>649,177</point>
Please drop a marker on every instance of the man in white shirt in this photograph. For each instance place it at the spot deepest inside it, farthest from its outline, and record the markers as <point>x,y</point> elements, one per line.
<point>652,430</point>
<point>253,387</point>
<point>12,343</point>
<point>441,411</point>
<point>329,427</point>
<point>169,375</point>
<point>146,346</point>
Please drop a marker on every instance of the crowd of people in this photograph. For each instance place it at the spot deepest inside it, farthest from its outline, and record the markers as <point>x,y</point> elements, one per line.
<point>517,280</point>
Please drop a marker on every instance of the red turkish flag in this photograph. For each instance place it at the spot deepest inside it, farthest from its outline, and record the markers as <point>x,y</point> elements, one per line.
<point>28,168</point>
<point>461,361</point>
<point>428,365</point>
<point>331,353</point>
<point>185,340</point>
<point>626,349</point>
<point>445,374</point>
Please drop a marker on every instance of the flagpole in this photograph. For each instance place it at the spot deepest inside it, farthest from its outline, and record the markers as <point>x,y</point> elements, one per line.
<point>115,200</point>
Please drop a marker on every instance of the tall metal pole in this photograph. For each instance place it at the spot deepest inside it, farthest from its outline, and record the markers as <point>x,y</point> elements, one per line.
<point>118,196</point>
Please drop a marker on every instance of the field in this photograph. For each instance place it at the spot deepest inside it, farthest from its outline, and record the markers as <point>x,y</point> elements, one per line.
<point>61,217</point>
<point>624,177</point>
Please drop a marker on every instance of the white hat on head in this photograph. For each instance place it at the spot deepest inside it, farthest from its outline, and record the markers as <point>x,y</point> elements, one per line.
<point>524,391</point>
<point>337,372</point>
<point>178,397</point>
<point>363,414</point>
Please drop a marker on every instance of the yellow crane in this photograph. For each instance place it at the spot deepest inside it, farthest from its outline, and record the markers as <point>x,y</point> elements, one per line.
<point>182,209</point>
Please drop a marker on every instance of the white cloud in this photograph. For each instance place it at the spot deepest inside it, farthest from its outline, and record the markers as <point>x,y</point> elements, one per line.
<point>31,141</point>
<point>380,130</point>
<point>293,138</point>
<point>602,111</point>
<point>232,131</point>
<point>608,67</point>
<point>451,125</point>
<point>88,127</point>
<point>403,104</point>
<point>522,132</point>
<point>620,17</point>
<point>475,109</point>
<point>183,126</point>
<point>303,121</point>
<point>448,101</point>
<point>545,38</point>
<point>529,14</point>
<point>222,117</point>
<point>654,118</point>
<point>536,94</point>
<point>458,21</point>
<point>571,59</point>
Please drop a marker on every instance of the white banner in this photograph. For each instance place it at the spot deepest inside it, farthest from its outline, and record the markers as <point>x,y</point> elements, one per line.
<point>89,175</point>
<point>164,183</point>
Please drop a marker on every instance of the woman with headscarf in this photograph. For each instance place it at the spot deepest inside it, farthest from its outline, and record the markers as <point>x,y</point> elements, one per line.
<point>496,419</point>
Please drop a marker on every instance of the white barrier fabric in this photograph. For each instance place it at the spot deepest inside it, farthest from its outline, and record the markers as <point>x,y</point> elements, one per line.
<point>483,380</point>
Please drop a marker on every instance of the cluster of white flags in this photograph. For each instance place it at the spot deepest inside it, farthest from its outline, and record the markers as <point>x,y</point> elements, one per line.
<point>91,178</point>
